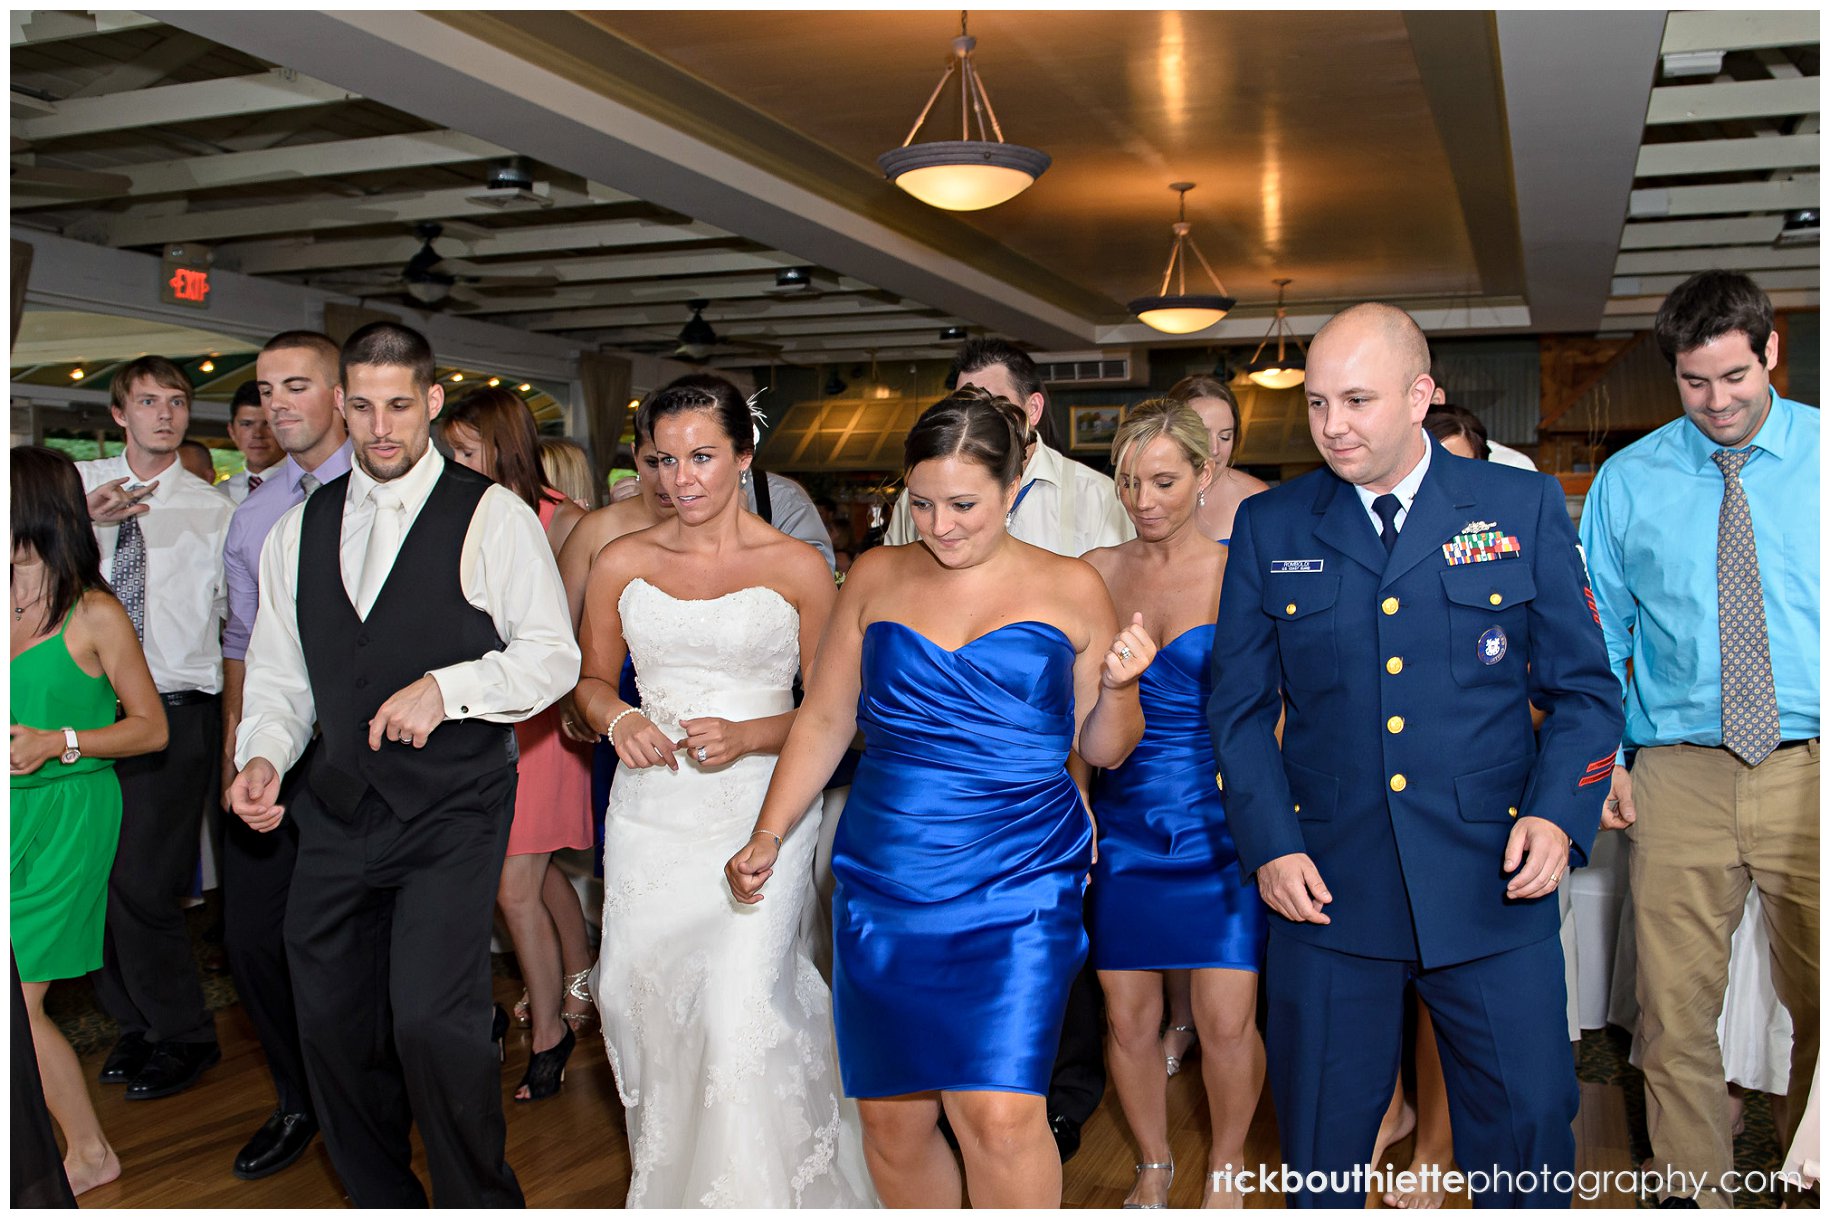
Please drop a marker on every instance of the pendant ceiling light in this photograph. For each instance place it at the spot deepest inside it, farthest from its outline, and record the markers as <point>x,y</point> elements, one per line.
<point>1183,312</point>
<point>963,175</point>
<point>1285,369</point>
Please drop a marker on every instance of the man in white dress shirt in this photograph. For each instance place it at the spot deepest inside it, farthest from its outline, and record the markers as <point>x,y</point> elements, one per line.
<point>250,433</point>
<point>161,532</point>
<point>1068,508</point>
<point>447,626</point>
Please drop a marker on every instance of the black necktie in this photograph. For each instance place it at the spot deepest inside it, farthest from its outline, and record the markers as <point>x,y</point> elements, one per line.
<point>1387,508</point>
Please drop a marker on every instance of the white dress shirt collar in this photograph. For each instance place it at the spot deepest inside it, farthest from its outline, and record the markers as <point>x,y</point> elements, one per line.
<point>413,487</point>
<point>1406,490</point>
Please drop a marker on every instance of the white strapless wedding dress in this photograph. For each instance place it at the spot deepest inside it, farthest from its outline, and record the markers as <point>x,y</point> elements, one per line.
<point>718,1026</point>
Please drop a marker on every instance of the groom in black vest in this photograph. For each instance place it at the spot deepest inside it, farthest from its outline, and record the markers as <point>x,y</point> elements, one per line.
<point>412,609</point>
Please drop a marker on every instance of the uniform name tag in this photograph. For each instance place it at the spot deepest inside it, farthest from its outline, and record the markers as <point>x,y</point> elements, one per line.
<point>1285,566</point>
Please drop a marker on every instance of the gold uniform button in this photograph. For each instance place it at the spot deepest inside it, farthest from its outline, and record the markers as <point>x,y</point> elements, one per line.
<point>1394,666</point>
<point>1397,783</point>
<point>1495,599</point>
<point>1298,808</point>
<point>1389,605</point>
<point>1512,812</point>
<point>1290,608</point>
<point>1395,725</point>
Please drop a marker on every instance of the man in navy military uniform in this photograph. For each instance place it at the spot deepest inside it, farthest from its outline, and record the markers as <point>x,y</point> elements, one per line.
<point>1405,609</point>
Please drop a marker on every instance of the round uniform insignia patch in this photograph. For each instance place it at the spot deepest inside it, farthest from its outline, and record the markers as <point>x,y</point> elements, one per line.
<point>1492,646</point>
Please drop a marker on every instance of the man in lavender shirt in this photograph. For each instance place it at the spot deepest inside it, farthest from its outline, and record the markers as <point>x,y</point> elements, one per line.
<point>296,373</point>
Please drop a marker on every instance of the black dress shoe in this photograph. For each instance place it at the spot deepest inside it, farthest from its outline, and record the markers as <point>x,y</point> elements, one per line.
<point>173,1067</point>
<point>126,1059</point>
<point>1067,1135</point>
<point>1677,1203</point>
<point>282,1139</point>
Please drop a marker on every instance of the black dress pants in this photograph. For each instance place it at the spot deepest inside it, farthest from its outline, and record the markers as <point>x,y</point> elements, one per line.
<point>256,879</point>
<point>387,932</point>
<point>148,979</point>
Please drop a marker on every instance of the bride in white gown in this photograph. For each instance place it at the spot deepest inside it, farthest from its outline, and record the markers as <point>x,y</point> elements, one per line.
<point>719,1028</point>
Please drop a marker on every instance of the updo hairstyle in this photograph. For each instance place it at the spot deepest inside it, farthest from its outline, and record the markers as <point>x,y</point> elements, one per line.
<point>1158,417</point>
<point>700,392</point>
<point>975,425</point>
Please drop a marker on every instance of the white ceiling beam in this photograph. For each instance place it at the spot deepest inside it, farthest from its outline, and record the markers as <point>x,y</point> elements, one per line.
<point>1587,72</point>
<point>149,67</point>
<point>645,266</point>
<point>808,359</point>
<point>731,312</point>
<point>1731,198</point>
<point>766,329</point>
<point>226,97</point>
<point>280,257</point>
<point>1738,31</point>
<point>1647,306</point>
<point>1657,285</point>
<point>1728,230</point>
<point>222,224</point>
<point>1728,156</point>
<point>33,27</point>
<point>735,287</point>
<point>1748,99</point>
<point>75,275</point>
<point>1703,258</point>
<point>326,159</point>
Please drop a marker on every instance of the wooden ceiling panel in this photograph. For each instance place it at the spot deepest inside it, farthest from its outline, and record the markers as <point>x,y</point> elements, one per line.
<point>1309,135</point>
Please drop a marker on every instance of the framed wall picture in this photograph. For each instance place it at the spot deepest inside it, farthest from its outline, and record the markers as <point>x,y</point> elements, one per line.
<point>1091,428</point>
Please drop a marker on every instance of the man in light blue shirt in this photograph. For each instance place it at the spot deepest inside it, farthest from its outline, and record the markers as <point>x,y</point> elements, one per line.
<point>1702,544</point>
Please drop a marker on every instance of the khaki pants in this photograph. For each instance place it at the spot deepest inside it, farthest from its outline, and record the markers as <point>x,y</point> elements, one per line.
<point>1708,826</point>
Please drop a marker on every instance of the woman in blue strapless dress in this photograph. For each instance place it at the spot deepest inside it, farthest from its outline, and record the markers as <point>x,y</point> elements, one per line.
<point>1167,892</point>
<point>974,664</point>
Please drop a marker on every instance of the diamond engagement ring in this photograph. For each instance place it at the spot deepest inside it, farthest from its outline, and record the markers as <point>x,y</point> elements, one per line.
<point>1124,652</point>
<point>701,752</point>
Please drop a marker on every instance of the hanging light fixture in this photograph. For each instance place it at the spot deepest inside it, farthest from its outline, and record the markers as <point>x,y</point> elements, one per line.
<point>1285,369</point>
<point>963,175</point>
<point>1183,312</point>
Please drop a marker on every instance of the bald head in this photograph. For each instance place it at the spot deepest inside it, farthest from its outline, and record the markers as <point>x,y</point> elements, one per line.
<point>1386,325</point>
<point>1368,385</point>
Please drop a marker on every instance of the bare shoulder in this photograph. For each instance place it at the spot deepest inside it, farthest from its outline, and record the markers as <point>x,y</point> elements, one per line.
<point>604,525</point>
<point>99,615</point>
<point>1245,485</point>
<point>802,567</point>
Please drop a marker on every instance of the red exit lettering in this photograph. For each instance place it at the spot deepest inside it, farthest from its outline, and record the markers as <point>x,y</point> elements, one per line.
<point>190,285</point>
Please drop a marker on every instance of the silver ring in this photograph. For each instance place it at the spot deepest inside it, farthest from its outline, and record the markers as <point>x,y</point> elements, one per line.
<point>657,750</point>
<point>1613,801</point>
<point>1124,653</point>
<point>406,740</point>
<point>701,752</point>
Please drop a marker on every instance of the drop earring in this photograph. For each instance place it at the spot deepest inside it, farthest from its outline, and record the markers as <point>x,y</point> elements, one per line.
<point>1200,499</point>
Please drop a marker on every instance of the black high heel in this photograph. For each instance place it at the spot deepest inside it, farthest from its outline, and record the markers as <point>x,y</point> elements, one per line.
<point>498,1029</point>
<point>546,1069</point>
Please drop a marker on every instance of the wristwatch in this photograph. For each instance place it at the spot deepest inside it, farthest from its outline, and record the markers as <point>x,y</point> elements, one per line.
<point>72,751</point>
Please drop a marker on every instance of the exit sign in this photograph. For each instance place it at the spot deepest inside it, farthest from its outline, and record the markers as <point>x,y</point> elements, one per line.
<point>184,275</point>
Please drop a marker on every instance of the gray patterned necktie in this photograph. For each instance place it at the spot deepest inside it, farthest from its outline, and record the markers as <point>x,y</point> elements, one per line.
<point>307,484</point>
<point>130,573</point>
<point>1750,710</point>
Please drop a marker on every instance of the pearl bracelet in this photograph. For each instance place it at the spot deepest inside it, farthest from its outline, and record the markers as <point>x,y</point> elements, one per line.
<point>770,833</point>
<point>610,730</point>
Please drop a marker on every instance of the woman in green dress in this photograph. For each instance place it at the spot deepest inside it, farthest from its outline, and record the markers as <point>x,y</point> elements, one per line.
<point>74,652</point>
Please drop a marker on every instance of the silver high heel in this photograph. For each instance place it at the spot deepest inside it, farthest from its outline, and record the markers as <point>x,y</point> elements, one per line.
<point>1170,1060</point>
<point>1153,1206</point>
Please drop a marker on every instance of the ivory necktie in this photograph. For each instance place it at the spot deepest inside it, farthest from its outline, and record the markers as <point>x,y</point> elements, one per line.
<point>383,545</point>
<point>1750,710</point>
<point>130,573</point>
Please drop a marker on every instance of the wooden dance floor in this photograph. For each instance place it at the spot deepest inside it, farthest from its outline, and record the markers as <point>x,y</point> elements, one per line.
<point>570,1150</point>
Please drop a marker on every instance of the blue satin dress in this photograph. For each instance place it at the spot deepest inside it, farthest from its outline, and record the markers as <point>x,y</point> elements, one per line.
<point>958,865</point>
<point>1166,892</point>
